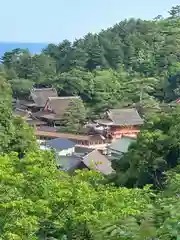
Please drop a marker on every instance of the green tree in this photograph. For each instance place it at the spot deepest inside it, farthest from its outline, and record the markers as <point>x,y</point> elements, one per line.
<point>175,11</point>
<point>44,68</point>
<point>95,50</point>
<point>15,135</point>
<point>6,125</point>
<point>74,118</point>
<point>39,202</point>
<point>21,87</point>
<point>23,139</point>
<point>155,151</point>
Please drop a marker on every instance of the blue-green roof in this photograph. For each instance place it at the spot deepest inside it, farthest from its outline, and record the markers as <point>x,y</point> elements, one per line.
<point>121,145</point>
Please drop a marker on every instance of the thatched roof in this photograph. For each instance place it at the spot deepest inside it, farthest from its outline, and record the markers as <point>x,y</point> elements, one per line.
<point>41,95</point>
<point>59,105</point>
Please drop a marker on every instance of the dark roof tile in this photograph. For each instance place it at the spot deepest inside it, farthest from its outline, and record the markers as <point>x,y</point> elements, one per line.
<point>125,117</point>
<point>60,143</point>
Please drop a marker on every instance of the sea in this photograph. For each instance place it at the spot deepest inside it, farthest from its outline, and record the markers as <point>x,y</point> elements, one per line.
<point>32,47</point>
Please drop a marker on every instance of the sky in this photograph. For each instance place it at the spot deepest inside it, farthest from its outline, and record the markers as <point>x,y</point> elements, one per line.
<point>54,20</point>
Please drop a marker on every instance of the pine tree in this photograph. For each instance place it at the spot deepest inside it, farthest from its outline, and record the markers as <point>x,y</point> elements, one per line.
<point>74,118</point>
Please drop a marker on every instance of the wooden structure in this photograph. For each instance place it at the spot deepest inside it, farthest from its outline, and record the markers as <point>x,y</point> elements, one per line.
<point>54,109</point>
<point>92,160</point>
<point>37,99</point>
<point>87,141</point>
<point>121,122</point>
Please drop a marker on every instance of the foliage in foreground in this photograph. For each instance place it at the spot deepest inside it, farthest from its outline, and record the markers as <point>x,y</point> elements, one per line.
<point>15,134</point>
<point>156,151</point>
<point>39,202</point>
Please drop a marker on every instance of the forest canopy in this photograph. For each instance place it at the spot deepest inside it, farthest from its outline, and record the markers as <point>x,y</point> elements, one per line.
<point>133,61</point>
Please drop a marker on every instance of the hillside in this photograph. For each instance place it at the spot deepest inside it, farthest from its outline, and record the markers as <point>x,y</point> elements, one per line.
<point>135,61</point>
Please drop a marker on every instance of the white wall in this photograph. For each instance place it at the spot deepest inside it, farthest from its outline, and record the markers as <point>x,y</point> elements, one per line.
<point>66,152</point>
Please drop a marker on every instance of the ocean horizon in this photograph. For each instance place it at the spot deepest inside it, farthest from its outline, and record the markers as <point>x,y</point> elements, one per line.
<point>32,47</point>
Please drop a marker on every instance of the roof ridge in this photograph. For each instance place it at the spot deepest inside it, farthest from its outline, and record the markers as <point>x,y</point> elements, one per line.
<point>68,97</point>
<point>93,150</point>
<point>65,97</point>
<point>122,109</point>
<point>36,89</point>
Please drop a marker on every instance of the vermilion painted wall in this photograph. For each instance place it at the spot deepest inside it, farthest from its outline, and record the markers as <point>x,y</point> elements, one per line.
<point>118,132</point>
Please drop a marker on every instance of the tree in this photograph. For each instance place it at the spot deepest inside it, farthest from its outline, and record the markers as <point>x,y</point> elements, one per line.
<point>95,51</point>
<point>175,11</point>
<point>64,56</point>
<point>15,134</point>
<point>39,202</point>
<point>74,118</point>
<point>146,50</point>
<point>155,152</point>
<point>44,68</point>
<point>6,125</point>
<point>74,82</point>
<point>24,139</point>
<point>79,56</point>
<point>21,87</point>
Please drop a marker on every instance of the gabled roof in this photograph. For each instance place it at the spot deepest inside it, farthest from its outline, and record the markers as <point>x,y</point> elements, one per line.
<point>125,117</point>
<point>41,95</point>
<point>121,145</point>
<point>95,160</point>
<point>58,105</point>
<point>60,143</point>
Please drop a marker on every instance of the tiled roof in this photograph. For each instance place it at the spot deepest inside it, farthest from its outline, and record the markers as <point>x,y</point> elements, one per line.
<point>61,135</point>
<point>54,134</point>
<point>41,95</point>
<point>46,115</point>
<point>60,143</point>
<point>95,160</point>
<point>121,145</point>
<point>125,117</point>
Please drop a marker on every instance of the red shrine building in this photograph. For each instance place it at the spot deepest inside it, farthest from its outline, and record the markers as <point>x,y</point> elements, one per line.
<point>121,122</point>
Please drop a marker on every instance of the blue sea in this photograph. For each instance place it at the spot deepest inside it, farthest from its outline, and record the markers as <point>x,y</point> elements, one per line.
<point>32,47</point>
